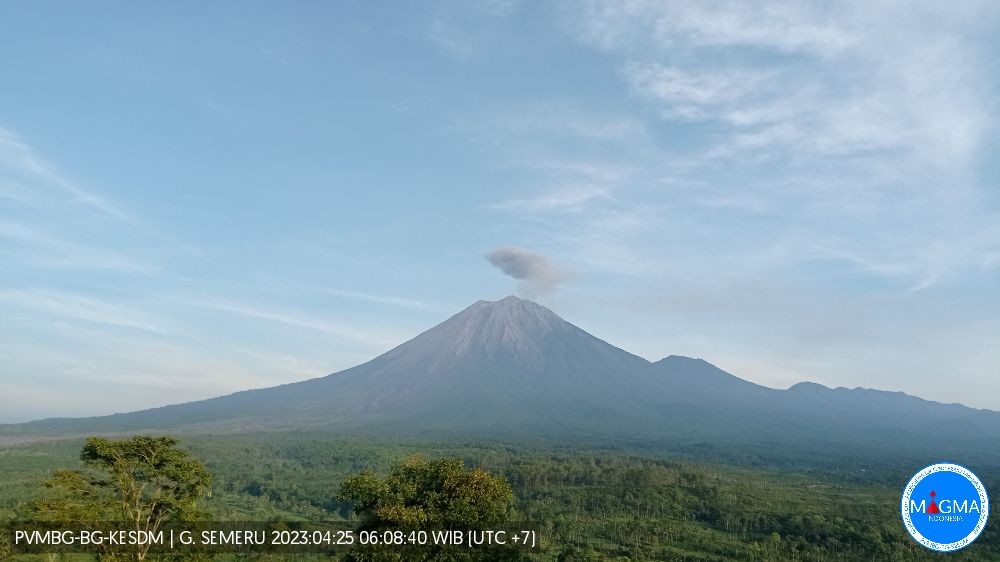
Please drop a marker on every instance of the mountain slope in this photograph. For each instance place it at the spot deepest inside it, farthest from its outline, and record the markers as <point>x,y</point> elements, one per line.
<point>506,361</point>
<point>513,367</point>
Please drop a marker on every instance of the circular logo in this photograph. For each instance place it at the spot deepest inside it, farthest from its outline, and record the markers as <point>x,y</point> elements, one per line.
<point>945,507</point>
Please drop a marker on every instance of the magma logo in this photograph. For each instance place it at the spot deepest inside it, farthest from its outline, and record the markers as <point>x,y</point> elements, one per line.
<point>945,507</point>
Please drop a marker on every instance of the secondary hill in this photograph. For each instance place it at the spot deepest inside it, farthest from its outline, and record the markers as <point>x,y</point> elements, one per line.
<point>513,368</point>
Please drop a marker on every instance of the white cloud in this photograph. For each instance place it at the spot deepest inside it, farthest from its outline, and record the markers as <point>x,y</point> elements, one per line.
<point>562,200</point>
<point>785,26</point>
<point>860,116</point>
<point>692,93</point>
<point>823,79</point>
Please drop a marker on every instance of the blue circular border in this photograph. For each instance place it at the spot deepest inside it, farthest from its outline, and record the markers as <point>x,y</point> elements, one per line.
<point>908,521</point>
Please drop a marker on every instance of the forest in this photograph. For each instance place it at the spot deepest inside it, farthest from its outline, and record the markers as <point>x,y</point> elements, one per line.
<point>612,502</point>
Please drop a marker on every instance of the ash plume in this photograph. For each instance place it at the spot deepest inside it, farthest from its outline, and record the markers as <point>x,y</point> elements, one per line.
<point>537,275</point>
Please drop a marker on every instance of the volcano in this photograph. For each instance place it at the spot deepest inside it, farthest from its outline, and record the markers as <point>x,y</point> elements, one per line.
<point>514,368</point>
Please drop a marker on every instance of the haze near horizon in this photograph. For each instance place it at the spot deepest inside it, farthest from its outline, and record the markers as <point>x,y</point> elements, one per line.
<point>192,207</point>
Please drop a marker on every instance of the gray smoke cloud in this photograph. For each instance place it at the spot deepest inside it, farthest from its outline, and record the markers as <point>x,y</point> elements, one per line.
<point>538,277</point>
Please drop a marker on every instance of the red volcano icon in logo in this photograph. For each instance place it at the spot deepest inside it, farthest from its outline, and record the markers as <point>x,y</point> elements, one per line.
<point>933,508</point>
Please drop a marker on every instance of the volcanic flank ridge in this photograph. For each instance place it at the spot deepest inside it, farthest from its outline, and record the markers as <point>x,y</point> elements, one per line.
<point>514,367</point>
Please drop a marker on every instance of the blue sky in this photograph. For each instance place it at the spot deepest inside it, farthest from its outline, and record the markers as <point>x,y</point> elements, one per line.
<point>198,198</point>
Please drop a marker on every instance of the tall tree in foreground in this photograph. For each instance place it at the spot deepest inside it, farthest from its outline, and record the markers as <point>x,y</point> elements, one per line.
<point>427,495</point>
<point>141,482</point>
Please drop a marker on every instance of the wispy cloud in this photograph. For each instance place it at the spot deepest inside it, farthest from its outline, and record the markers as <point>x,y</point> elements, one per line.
<point>135,372</point>
<point>30,180</point>
<point>861,80</point>
<point>860,114</point>
<point>35,248</point>
<point>782,26</point>
<point>694,94</point>
<point>382,299</point>
<point>60,304</point>
<point>376,339</point>
<point>592,171</point>
<point>561,200</point>
<point>19,157</point>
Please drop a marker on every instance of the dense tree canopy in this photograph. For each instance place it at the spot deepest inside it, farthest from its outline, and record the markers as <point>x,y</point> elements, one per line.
<point>425,493</point>
<point>588,504</point>
<point>422,494</point>
<point>141,482</point>
<point>151,479</point>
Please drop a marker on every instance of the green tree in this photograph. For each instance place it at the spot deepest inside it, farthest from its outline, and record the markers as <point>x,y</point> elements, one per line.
<point>77,500</point>
<point>141,482</point>
<point>422,494</point>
